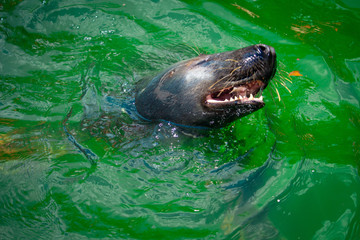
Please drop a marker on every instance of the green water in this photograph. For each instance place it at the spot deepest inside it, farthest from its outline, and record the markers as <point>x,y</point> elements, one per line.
<point>288,171</point>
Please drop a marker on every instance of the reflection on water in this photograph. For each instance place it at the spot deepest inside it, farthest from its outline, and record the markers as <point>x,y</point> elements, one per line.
<point>68,71</point>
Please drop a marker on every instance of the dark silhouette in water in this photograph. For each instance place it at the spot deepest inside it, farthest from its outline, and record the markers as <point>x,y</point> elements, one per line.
<point>209,91</point>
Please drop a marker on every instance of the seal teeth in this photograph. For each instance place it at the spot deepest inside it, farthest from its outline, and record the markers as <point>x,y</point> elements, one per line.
<point>238,98</point>
<point>236,95</point>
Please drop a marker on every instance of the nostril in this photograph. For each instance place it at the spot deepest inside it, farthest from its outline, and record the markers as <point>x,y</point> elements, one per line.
<point>263,48</point>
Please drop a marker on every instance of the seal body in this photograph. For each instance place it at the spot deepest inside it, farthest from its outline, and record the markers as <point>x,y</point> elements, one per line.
<point>210,90</point>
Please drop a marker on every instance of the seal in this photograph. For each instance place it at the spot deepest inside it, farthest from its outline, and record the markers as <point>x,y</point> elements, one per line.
<point>208,91</point>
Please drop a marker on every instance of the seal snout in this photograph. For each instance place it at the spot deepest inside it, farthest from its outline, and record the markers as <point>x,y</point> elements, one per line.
<point>255,67</point>
<point>268,53</point>
<point>265,50</point>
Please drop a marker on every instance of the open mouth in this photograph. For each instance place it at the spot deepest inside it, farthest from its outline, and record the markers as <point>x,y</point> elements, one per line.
<point>249,93</point>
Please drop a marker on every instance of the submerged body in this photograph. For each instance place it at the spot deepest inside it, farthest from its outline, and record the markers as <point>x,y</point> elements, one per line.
<point>209,90</point>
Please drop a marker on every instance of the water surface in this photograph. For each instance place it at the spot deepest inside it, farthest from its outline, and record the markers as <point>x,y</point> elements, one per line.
<point>68,71</point>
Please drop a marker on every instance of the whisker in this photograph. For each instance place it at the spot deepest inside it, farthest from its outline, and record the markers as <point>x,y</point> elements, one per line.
<point>228,81</point>
<point>284,85</point>
<point>228,76</point>
<point>277,91</point>
<point>287,78</point>
<point>224,68</point>
<point>281,79</point>
<point>285,75</point>
<point>235,70</point>
<point>197,48</point>
<point>197,51</point>
<point>281,64</point>
<point>230,59</point>
<point>272,96</point>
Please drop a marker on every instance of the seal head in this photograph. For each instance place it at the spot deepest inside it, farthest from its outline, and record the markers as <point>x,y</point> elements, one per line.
<point>209,91</point>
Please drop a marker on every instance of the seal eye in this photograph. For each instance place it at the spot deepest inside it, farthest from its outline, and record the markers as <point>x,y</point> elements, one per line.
<point>245,93</point>
<point>167,75</point>
<point>205,61</point>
